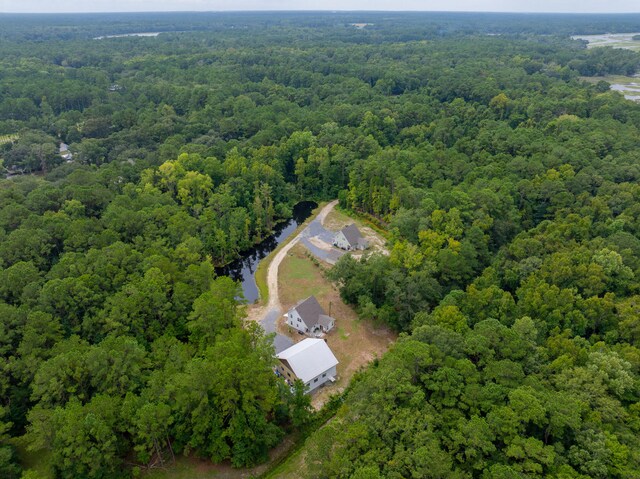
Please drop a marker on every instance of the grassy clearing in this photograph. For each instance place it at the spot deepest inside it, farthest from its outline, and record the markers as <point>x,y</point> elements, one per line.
<point>184,468</point>
<point>355,342</point>
<point>194,468</point>
<point>261,282</point>
<point>614,40</point>
<point>285,468</point>
<point>191,468</point>
<point>632,45</point>
<point>620,79</point>
<point>263,267</point>
<point>299,278</point>
<point>294,466</point>
<point>342,334</point>
<point>337,220</point>
<point>629,86</point>
<point>290,465</point>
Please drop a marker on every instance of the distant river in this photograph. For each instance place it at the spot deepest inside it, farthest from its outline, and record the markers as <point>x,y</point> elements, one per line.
<point>244,268</point>
<point>138,34</point>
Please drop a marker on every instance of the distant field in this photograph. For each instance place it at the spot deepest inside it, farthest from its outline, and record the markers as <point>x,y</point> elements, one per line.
<point>628,86</point>
<point>615,40</point>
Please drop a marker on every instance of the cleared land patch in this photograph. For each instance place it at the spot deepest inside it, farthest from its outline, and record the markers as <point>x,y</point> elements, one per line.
<point>336,220</point>
<point>194,468</point>
<point>355,342</point>
<point>614,40</point>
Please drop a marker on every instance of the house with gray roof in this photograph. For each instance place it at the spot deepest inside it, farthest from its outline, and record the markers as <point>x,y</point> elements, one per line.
<point>308,317</point>
<point>311,361</point>
<point>349,238</point>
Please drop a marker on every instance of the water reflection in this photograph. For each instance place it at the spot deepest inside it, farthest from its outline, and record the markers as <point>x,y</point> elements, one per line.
<point>244,269</point>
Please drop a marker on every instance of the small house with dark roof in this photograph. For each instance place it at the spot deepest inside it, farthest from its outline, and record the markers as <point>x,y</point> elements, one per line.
<point>308,317</point>
<point>311,361</point>
<point>349,238</point>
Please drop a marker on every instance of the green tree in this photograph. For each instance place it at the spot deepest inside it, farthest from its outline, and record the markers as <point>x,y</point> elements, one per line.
<point>83,439</point>
<point>215,311</point>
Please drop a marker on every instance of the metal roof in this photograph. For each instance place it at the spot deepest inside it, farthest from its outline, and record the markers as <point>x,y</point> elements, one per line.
<point>308,358</point>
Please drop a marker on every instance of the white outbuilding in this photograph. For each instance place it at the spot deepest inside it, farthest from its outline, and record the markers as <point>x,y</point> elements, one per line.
<point>310,360</point>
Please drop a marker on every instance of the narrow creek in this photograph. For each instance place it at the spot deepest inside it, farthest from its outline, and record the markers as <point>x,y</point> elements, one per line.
<point>244,268</point>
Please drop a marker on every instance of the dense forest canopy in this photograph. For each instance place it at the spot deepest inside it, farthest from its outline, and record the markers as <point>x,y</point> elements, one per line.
<point>508,186</point>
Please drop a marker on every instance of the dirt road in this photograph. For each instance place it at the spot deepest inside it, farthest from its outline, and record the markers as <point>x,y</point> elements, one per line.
<point>268,314</point>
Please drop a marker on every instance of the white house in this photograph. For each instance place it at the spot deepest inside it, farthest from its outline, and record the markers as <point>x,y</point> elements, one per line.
<point>65,153</point>
<point>310,360</point>
<point>308,317</point>
<point>349,238</point>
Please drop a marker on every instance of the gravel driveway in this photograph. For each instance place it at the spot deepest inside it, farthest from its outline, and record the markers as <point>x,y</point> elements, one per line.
<point>268,315</point>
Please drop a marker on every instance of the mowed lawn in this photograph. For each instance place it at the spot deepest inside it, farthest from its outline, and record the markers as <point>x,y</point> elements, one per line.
<point>299,278</point>
<point>354,342</point>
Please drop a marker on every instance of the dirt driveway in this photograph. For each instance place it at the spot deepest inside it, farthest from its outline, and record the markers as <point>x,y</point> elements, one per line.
<point>268,314</point>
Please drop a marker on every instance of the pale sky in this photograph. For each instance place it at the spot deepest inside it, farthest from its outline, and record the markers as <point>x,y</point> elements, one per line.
<point>577,6</point>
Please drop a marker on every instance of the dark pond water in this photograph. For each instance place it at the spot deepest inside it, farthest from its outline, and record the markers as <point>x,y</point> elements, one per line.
<point>244,269</point>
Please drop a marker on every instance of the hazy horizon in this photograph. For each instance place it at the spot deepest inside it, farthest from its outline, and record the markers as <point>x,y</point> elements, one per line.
<point>489,6</point>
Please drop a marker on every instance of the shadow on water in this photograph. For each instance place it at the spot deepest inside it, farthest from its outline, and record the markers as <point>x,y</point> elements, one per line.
<point>244,268</point>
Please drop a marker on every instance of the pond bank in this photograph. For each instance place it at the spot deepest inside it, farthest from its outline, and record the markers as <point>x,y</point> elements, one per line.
<point>244,268</point>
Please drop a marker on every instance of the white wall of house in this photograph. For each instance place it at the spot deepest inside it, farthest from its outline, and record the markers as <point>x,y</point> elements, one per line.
<point>295,321</point>
<point>321,379</point>
<point>341,241</point>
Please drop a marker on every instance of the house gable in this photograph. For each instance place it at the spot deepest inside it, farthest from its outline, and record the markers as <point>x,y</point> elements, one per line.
<point>295,321</point>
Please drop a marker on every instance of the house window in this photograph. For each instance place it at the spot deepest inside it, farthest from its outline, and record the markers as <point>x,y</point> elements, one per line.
<point>324,375</point>
<point>289,374</point>
<point>315,380</point>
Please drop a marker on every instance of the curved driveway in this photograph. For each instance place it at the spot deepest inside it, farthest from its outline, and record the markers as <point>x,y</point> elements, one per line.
<point>269,314</point>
